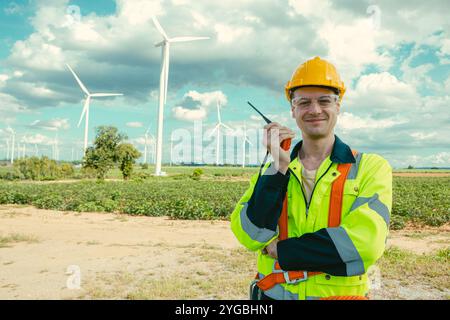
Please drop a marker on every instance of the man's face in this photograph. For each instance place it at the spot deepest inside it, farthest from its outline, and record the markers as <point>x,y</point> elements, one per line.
<point>317,119</point>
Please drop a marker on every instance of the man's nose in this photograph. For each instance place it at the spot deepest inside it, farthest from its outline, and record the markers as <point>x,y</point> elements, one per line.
<point>315,107</point>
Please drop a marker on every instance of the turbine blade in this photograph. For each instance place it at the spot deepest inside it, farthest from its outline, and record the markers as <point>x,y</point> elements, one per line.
<point>85,90</point>
<point>214,130</point>
<point>86,106</point>
<point>185,39</point>
<point>160,29</point>
<point>106,94</point>
<point>225,126</point>
<point>218,111</point>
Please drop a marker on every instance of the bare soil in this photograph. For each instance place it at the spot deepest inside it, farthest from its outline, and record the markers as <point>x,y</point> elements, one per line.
<point>115,254</point>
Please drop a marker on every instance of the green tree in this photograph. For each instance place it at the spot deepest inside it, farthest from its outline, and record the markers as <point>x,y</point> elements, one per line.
<point>103,155</point>
<point>127,155</point>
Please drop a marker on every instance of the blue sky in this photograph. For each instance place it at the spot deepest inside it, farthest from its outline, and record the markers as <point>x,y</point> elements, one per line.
<point>393,56</point>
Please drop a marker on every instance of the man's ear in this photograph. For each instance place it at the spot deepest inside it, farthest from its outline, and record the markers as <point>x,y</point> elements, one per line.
<point>292,112</point>
<point>338,107</point>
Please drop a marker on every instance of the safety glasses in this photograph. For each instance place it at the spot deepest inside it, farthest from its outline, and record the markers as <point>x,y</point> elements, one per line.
<point>324,101</point>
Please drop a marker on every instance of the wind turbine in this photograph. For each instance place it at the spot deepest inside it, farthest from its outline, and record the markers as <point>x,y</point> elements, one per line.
<point>163,84</point>
<point>13,137</point>
<point>146,143</point>
<point>244,141</point>
<point>171,149</point>
<point>217,128</point>
<point>56,142</point>
<point>85,111</point>
<point>7,149</point>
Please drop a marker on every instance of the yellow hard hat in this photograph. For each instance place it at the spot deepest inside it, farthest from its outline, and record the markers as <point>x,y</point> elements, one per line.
<point>315,72</point>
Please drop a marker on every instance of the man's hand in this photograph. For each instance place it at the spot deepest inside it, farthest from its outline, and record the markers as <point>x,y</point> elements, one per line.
<point>271,249</point>
<point>273,136</point>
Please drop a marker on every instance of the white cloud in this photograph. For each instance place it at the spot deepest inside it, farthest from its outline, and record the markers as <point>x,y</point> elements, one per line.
<point>383,84</point>
<point>182,113</point>
<point>37,139</point>
<point>440,159</point>
<point>252,19</point>
<point>381,93</point>
<point>309,8</point>
<point>348,122</point>
<point>3,79</point>
<point>134,124</point>
<point>199,19</point>
<point>423,135</point>
<point>36,53</point>
<point>208,99</point>
<point>200,103</point>
<point>51,125</point>
<point>227,34</point>
<point>9,108</point>
<point>137,12</point>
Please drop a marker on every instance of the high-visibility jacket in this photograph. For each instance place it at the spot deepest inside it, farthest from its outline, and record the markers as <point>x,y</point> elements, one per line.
<point>338,256</point>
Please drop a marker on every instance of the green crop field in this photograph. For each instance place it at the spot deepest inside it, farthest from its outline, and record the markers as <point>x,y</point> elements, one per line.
<point>422,200</point>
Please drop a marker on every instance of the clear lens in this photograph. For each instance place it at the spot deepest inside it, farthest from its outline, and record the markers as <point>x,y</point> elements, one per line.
<point>324,101</point>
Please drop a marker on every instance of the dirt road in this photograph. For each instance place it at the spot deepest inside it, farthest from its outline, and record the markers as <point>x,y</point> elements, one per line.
<point>42,253</point>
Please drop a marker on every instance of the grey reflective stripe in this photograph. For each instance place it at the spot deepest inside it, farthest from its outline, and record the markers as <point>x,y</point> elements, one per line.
<point>313,298</point>
<point>347,251</point>
<point>278,292</point>
<point>375,204</point>
<point>355,166</point>
<point>255,232</point>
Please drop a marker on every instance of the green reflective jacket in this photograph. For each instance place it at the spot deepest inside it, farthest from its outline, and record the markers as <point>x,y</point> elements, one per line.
<point>343,254</point>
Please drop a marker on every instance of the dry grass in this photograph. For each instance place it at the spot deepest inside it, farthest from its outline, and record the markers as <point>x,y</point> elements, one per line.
<point>410,269</point>
<point>6,241</point>
<point>204,272</point>
<point>209,272</point>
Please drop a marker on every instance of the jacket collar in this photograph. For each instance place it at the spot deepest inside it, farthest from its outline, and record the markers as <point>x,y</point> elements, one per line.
<point>341,152</point>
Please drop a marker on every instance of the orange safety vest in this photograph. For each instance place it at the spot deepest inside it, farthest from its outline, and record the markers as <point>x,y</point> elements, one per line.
<point>334,220</point>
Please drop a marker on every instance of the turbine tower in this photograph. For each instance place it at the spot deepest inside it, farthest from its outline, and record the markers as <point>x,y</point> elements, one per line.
<point>163,84</point>
<point>13,138</point>
<point>85,111</point>
<point>7,149</point>
<point>145,144</point>
<point>217,129</point>
<point>244,142</point>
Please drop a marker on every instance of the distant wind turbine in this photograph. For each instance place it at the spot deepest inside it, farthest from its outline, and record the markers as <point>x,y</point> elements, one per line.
<point>217,129</point>
<point>13,138</point>
<point>244,142</point>
<point>146,141</point>
<point>163,84</point>
<point>7,149</point>
<point>85,111</point>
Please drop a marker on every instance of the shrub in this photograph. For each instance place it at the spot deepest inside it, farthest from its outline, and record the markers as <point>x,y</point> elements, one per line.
<point>196,174</point>
<point>43,168</point>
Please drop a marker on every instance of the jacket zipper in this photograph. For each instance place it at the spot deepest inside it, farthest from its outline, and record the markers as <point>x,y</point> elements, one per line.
<point>314,188</point>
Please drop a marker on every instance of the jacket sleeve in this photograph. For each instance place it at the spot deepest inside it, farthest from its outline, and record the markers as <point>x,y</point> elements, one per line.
<point>254,220</point>
<point>359,241</point>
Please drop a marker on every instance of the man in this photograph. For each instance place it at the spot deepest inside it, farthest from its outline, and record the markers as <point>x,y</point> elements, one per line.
<point>319,217</point>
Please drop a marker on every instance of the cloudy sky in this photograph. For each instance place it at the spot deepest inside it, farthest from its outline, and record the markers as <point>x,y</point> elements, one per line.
<point>394,57</point>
